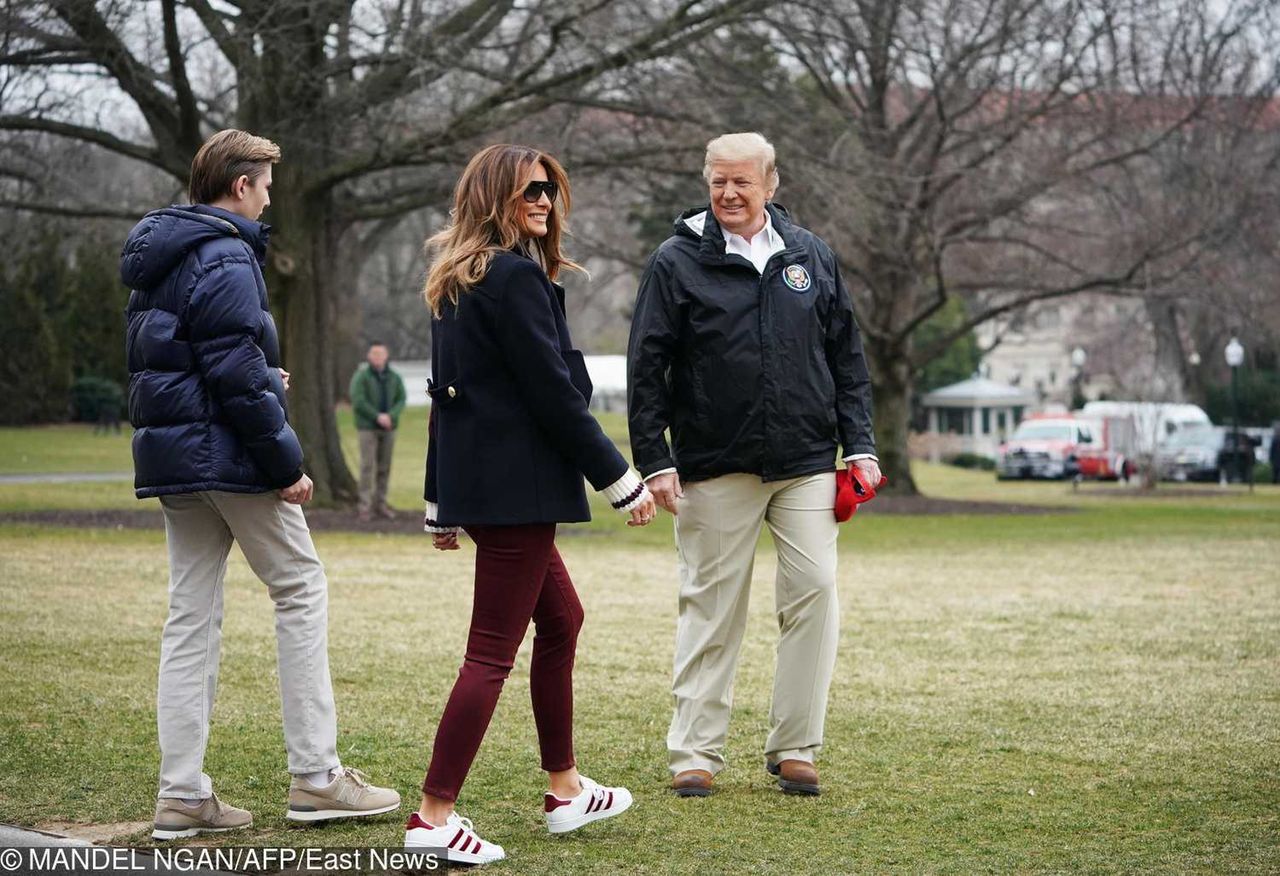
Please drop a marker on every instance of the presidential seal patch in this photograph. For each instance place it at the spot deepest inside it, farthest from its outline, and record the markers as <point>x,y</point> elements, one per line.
<point>796,278</point>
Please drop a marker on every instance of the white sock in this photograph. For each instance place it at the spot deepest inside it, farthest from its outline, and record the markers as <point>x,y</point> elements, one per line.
<point>193,802</point>
<point>322,779</point>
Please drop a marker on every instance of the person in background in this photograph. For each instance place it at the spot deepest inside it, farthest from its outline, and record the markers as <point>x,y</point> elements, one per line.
<point>377,399</point>
<point>510,439</point>
<point>1274,453</point>
<point>213,442</point>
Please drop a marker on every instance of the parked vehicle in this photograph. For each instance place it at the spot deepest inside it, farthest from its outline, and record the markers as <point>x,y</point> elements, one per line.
<point>1068,446</point>
<point>1207,453</point>
<point>1153,422</point>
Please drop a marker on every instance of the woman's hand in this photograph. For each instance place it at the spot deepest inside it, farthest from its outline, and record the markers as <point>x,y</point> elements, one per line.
<point>444,541</point>
<point>643,514</point>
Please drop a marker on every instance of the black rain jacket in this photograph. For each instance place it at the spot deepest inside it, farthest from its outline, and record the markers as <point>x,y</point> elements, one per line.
<point>756,373</point>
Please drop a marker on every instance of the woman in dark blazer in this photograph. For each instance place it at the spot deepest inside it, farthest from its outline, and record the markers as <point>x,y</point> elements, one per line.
<point>510,440</point>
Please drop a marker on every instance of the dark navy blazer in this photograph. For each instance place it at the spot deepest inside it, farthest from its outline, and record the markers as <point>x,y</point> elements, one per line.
<point>510,435</point>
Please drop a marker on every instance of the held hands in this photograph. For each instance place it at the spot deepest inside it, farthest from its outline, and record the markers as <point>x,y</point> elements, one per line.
<point>299,493</point>
<point>284,378</point>
<point>666,489</point>
<point>643,514</point>
<point>384,421</point>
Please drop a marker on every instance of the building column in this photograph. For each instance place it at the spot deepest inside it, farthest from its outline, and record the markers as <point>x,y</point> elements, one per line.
<point>935,439</point>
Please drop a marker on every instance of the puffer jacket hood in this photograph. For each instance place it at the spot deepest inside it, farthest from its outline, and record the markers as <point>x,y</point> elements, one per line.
<point>163,238</point>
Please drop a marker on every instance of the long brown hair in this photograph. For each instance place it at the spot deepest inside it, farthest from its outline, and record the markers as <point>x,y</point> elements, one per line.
<point>485,220</point>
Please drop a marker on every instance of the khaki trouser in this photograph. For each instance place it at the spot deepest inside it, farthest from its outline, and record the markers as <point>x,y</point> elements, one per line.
<point>274,538</point>
<point>716,534</point>
<point>375,466</point>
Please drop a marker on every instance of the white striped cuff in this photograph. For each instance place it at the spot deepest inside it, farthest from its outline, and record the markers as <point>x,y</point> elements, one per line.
<point>626,493</point>
<point>429,521</point>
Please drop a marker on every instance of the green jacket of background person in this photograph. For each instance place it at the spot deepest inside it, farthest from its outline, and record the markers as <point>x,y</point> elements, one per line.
<point>374,392</point>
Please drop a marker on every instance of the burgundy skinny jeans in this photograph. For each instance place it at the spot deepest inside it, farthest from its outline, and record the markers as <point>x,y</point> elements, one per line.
<point>519,576</point>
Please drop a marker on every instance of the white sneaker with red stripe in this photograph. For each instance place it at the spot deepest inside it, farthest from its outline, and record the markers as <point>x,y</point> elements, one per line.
<point>592,804</point>
<point>457,840</point>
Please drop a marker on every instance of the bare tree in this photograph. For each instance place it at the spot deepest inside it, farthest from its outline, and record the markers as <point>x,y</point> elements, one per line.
<point>375,105</point>
<point>989,149</point>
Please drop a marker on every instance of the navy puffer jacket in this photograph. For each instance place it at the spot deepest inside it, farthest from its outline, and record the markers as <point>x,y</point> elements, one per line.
<point>205,394</point>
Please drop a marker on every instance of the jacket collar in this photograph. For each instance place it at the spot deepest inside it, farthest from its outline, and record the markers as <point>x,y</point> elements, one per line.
<point>700,223</point>
<point>522,249</point>
<point>256,234</point>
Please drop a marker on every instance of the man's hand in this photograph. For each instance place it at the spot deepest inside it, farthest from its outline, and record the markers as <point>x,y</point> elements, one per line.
<point>666,489</point>
<point>444,541</point>
<point>299,493</point>
<point>284,378</point>
<point>643,514</point>
<point>869,469</point>
<point>384,421</point>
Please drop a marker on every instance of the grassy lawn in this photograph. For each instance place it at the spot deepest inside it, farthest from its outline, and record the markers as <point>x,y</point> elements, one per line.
<point>1096,690</point>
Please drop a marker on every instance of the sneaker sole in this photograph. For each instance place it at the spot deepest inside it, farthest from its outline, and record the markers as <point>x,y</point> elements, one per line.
<point>459,857</point>
<point>587,818</point>
<point>161,833</point>
<point>329,814</point>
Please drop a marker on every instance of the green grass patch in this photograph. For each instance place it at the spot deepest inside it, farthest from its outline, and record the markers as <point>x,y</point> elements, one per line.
<point>1091,690</point>
<point>1004,701</point>
<point>70,447</point>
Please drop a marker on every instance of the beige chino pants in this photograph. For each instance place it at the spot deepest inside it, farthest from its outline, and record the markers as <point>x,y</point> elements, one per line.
<point>273,536</point>
<point>716,534</point>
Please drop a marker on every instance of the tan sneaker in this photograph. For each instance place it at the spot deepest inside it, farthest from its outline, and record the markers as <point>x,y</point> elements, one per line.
<point>349,795</point>
<point>176,819</point>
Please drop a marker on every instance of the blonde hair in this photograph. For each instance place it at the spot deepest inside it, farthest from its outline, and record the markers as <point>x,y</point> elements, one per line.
<point>485,220</point>
<point>746,146</point>
<point>224,158</point>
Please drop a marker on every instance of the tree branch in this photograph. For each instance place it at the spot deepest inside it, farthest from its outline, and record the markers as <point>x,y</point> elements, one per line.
<point>188,113</point>
<point>153,156</point>
<point>75,212</point>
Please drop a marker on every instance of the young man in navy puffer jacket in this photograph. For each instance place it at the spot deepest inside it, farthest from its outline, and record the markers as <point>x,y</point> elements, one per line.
<point>213,443</point>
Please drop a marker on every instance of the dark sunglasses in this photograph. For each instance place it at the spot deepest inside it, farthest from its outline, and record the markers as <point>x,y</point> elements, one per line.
<point>535,190</point>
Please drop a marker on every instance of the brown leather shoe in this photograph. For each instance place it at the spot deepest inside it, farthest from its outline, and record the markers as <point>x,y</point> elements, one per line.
<point>692,783</point>
<point>796,777</point>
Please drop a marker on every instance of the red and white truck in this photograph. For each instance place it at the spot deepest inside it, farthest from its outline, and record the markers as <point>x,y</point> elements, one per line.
<point>1068,446</point>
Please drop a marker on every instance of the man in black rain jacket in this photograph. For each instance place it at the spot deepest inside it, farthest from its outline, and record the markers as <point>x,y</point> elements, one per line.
<point>744,346</point>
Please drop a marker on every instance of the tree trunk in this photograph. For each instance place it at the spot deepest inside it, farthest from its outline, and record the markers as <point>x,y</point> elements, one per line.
<point>1170,374</point>
<point>891,387</point>
<point>284,100</point>
<point>300,278</point>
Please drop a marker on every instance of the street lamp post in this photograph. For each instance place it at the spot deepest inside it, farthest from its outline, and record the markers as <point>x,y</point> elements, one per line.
<point>1235,358</point>
<point>1078,358</point>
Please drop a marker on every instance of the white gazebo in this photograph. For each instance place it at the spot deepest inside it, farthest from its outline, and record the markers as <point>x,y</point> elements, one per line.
<point>981,412</point>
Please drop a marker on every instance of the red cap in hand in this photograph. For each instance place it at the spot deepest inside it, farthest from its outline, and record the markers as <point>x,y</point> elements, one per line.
<point>851,491</point>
